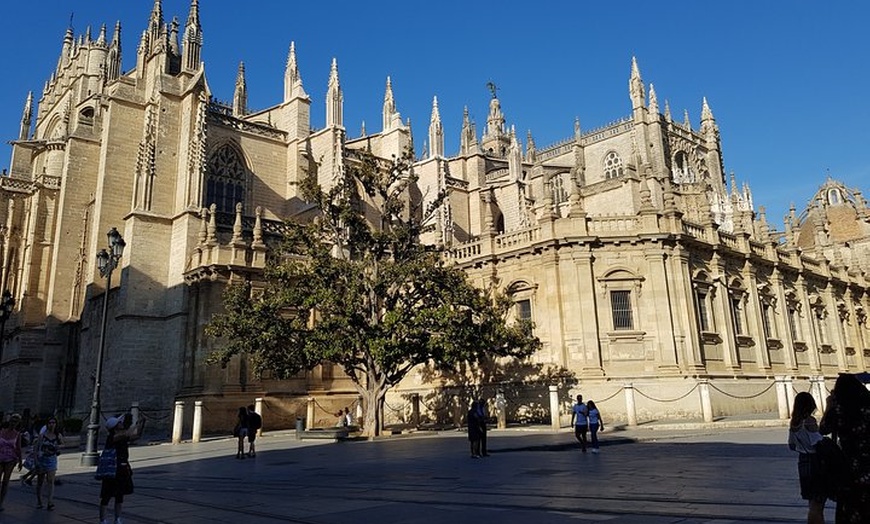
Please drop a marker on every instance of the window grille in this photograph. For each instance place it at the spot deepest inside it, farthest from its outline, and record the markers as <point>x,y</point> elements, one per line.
<point>703,312</point>
<point>613,167</point>
<point>524,309</point>
<point>620,306</point>
<point>225,185</point>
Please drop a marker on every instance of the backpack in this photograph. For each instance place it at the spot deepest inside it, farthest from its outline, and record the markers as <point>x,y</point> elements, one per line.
<point>255,421</point>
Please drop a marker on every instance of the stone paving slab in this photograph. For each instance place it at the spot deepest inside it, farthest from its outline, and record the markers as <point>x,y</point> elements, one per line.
<point>708,475</point>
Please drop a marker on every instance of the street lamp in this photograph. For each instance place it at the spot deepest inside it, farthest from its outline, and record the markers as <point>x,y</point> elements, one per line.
<point>6,305</point>
<point>107,261</point>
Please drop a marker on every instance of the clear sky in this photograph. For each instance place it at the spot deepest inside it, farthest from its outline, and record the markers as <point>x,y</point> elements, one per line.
<point>788,82</point>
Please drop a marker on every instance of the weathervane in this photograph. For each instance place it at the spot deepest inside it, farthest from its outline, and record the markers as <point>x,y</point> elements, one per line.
<point>492,88</point>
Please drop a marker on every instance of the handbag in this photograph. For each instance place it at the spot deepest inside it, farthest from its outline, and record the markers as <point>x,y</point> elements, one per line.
<point>107,467</point>
<point>29,463</point>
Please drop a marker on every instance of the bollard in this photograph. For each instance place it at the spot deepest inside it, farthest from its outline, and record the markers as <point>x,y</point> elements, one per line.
<point>630,409</point>
<point>134,412</point>
<point>178,422</point>
<point>501,406</point>
<point>258,407</point>
<point>817,388</point>
<point>197,421</point>
<point>782,398</point>
<point>415,409</point>
<point>300,427</point>
<point>706,405</point>
<point>554,408</point>
<point>788,386</point>
<point>309,413</point>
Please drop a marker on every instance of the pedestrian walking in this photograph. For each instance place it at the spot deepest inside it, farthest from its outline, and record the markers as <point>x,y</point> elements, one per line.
<point>10,452</point>
<point>847,419</point>
<point>580,421</point>
<point>803,435</point>
<point>122,432</point>
<point>47,449</point>
<point>255,422</point>
<point>240,431</point>
<point>474,424</point>
<point>595,424</point>
<point>348,418</point>
<point>29,436</point>
<point>482,415</point>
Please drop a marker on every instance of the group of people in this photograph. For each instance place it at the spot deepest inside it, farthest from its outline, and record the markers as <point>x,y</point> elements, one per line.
<point>837,468</point>
<point>476,420</point>
<point>37,449</point>
<point>248,423</point>
<point>343,418</point>
<point>586,418</point>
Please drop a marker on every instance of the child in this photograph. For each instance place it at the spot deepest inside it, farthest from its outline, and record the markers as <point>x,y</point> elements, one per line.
<point>803,435</point>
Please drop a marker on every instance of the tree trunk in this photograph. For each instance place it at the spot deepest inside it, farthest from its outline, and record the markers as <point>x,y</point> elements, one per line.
<point>372,397</point>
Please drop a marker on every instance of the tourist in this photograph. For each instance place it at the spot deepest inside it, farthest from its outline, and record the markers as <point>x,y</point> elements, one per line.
<point>847,419</point>
<point>47,449</point>
<point>475,434</point>
<point>122,432</point>
<point>580,421</point>
<point>481,418</point>
<point>348,418</point>
<point>241,431</point>
<point>29,435</point>
<point>803,435</point>
<point>255,422</point>
<point>10,452</point>
<point>595,424</point>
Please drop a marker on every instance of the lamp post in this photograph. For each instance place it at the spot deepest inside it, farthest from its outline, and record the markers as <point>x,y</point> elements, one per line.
<point>6,305</point>
<point>107,261</point>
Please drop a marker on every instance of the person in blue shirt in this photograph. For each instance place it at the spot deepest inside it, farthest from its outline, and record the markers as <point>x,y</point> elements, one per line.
<point>580,421</point>
<point>595,424</point>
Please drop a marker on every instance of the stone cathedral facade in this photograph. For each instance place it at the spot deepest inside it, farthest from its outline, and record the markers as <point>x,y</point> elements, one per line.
<point>635,255</point>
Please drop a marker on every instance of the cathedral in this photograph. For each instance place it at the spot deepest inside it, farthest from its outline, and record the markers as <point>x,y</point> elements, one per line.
<point>642,264</point>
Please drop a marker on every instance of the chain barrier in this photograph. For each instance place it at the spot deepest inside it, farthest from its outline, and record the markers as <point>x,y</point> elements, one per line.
<point>743,397</point>
<point>391,408</point>
<point>665,401</point>
<point>611,397</point>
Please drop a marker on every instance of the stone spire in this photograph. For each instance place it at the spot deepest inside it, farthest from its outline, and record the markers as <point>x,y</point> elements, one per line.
<point>653,101</point>
<point>192,43</point>
<point>667,111</point>
<point>531,152</point>
<point>708,124</point>
<point>687,123</point>
<point>436,132</point>
<point>334,99</point>
<point>24,132</point>
<point>155,25</point>
<point>292,79</point>
<point>66,49</point>
<point>101,38</point>
<point>113,60</point>
<point>240,95</point>
<point>496,141</point>
<point>468,136</point>
<point>391,117</point>
<point>635,86</point>
<point>173,37</point>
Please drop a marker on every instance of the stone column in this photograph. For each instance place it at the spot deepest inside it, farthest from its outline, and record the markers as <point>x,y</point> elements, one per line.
<point>783,323</point>
<point>134,411</point>
<point>309,413</point>
<point>258,407</point>
<point>755,324</point>
<point>782,403</point>
<point>501,406</point>
<point>630,408</point>
<point>178,422</point>
<point>415,409</point>
<point>658,298</point>
<point>706,404</point>
<point>457,412</point>
<point>554,408</point>
<point>197,421</point>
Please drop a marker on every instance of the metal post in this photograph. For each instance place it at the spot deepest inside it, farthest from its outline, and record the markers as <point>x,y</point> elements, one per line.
<point>91,457</point>
<point>134,412</point>
<point>554,408</point>
<point>197,421</point>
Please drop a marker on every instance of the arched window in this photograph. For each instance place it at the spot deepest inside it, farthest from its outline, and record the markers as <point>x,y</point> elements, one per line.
<point>834,197</point>
<point>560,191</point>
<point>683,173</point>
<point>225,179</point>
<point>613,166</point>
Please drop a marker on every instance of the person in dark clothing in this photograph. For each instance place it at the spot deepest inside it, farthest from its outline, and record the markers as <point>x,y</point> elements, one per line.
<point>474,429</point>
<point>255,422</point>
<point>241,431</point>
<point>481,419</point>
<point>847,419</point>
<point>122,432</point>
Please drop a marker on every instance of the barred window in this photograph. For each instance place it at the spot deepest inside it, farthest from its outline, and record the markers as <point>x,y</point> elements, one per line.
<point>620,307</point>
<point>524,309</point>
<point>737,315</point>
<point>766,324</point>
<point>560,194</point>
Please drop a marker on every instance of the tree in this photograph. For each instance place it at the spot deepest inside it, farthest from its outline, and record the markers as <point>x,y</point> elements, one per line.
<point>356,287</point>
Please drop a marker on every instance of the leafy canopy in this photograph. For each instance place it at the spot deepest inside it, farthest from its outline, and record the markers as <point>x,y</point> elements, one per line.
<point>356,287</point>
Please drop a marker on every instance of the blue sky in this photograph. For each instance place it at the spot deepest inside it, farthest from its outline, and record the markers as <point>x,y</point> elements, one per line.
<point>788,82</point>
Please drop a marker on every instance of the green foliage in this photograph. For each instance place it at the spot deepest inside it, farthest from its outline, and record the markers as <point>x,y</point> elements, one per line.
<point>359,289</point>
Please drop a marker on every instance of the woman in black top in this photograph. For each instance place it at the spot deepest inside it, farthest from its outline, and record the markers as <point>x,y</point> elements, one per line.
<point>121,434</point>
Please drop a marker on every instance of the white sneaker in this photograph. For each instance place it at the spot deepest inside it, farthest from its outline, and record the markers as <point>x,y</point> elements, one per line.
<point>594,450</point>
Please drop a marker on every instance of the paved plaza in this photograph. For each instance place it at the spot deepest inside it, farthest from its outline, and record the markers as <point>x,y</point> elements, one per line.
<point>642,476</point>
